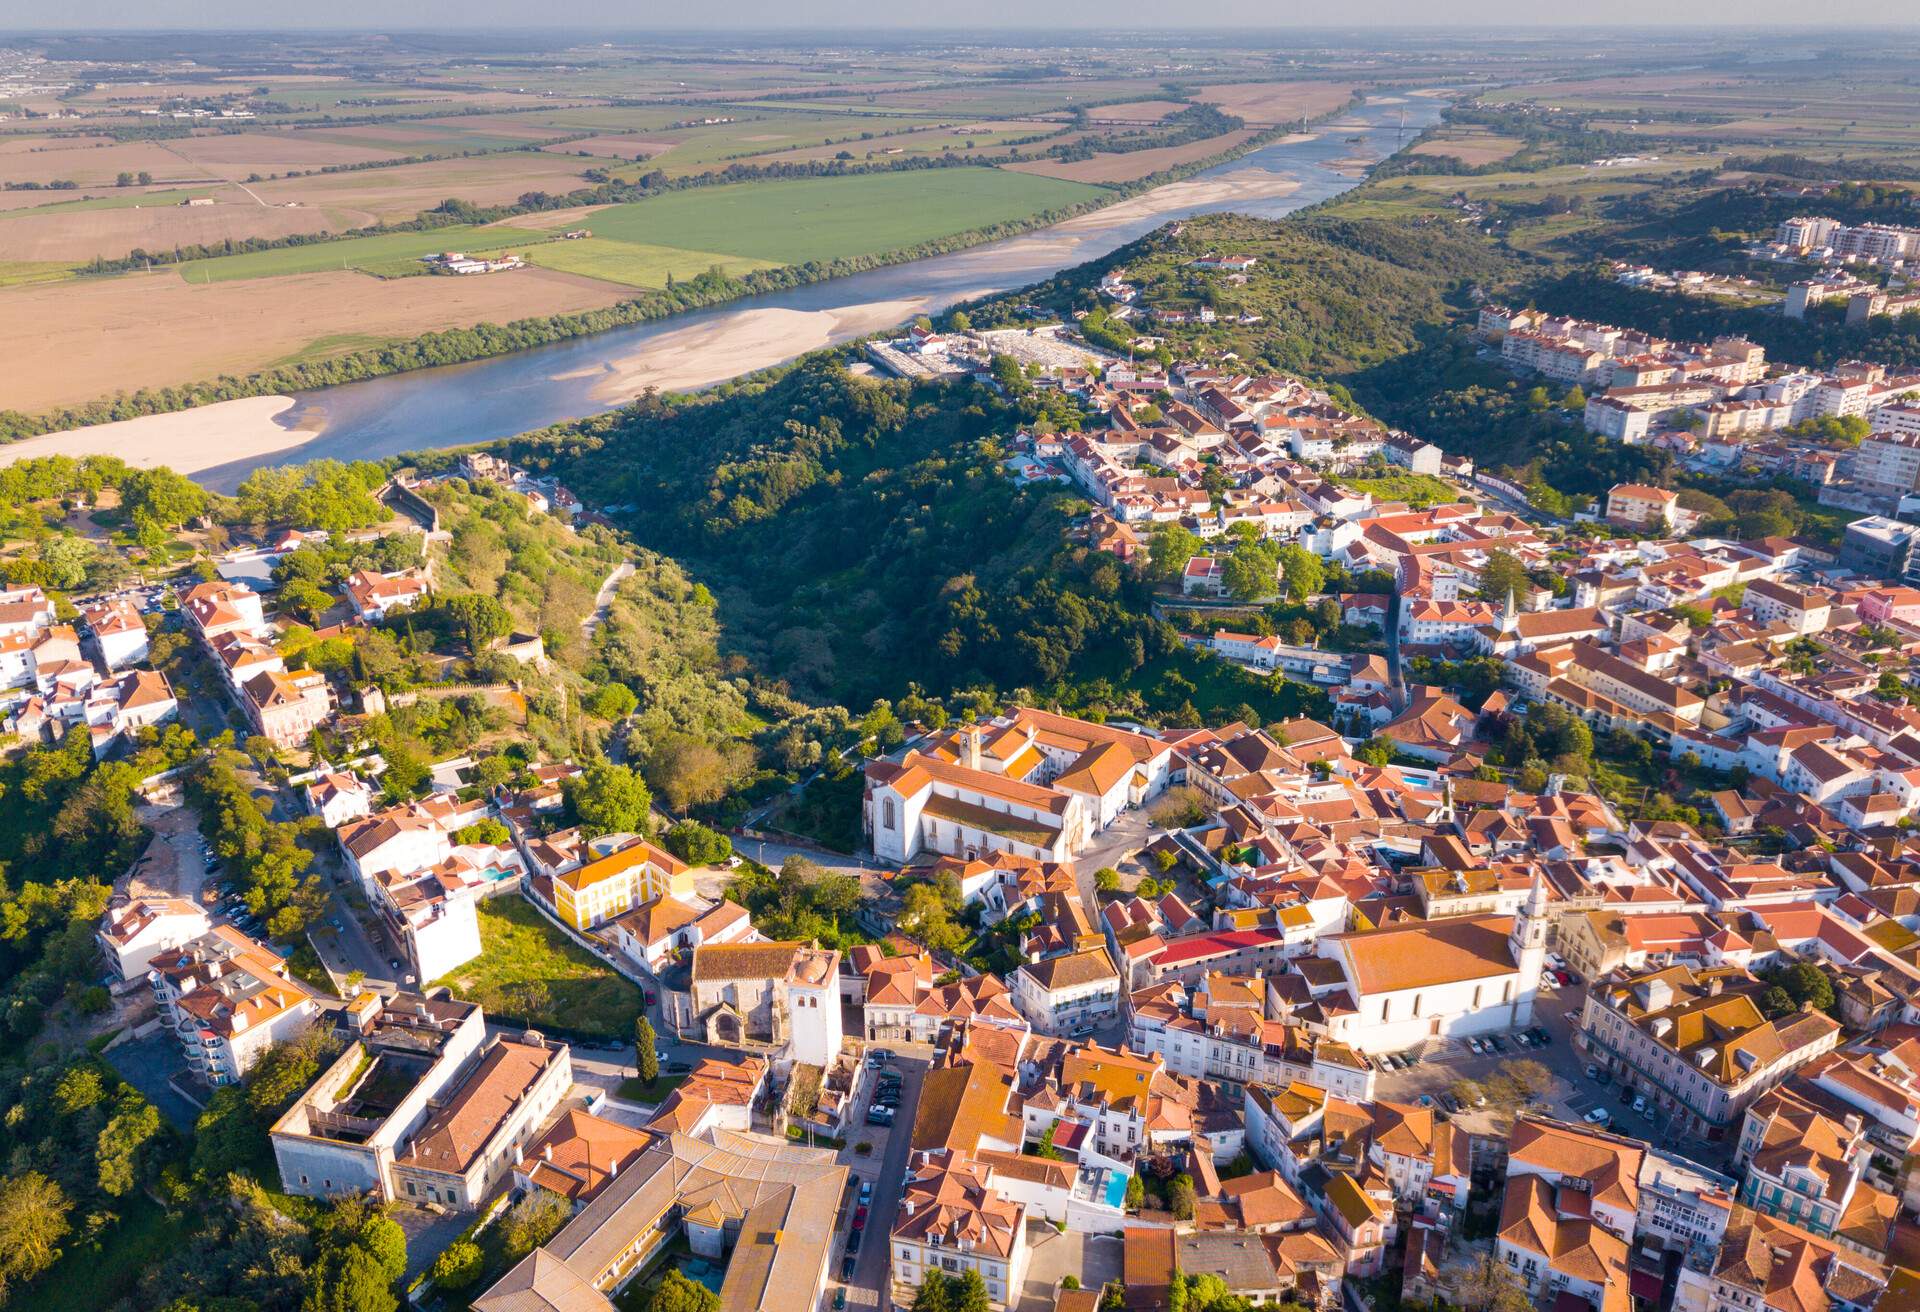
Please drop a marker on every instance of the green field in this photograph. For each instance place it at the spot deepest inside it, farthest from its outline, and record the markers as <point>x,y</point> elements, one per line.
<point>834,218</point>
<point>636,264</point>
<point>743,226</point>
<point>17,273</point>
<point>388,253</point>
<point>530,971</point>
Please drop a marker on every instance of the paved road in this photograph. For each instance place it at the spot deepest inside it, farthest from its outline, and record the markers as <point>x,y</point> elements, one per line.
<point>603,599</point>
<point>872,1275</point>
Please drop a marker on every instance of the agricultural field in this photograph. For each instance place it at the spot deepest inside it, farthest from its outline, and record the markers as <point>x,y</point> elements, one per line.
<point>636,264</point>
<point>1135,164</point>
<point>1276,104</point>
<point>1852,112</point>
<point>81,339</point>
<point>1472,146</point>
<point>834,218</point>
<point>387,254</point>
<point>395,195</point>
<point>291,146</point>
<point>91,228</point>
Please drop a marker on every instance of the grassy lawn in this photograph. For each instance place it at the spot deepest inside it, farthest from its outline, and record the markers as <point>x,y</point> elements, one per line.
<point>358,252</point>
<point>834,218</point>
<point>530,971</point>
<point>1418,490</point>
<point>635,264</point>
<point>638,1090</point>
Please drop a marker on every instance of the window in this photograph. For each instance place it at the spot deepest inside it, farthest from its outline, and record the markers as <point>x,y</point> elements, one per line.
<point>887,820</point>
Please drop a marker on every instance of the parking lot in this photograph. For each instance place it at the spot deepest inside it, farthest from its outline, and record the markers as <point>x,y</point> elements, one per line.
<point>1444,1061</point>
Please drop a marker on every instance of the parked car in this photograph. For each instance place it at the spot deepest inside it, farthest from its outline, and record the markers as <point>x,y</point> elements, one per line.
<point>1426,1100</point>
<point>1475,1045</point>
<point>866,1190</point>
<point>1540,1037</point>
<point>860,1218</point>
<point>839,1298</point>
<point>1593,1072</point>
<point>1599,1116</point>
<point>1450,1102</point>
<point>1411,1058</point>
<point>853,1242</point>
<point>1498,1046</point>
<point>847,1264</point>
<point>1640,1103</point>
<point>1520,1037</point>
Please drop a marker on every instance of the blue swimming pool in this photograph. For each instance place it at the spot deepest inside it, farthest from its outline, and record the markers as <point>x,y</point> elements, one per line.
<point>1116,1189</point>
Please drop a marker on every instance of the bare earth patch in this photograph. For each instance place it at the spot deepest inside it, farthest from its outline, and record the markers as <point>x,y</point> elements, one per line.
<point>66,343</point>
<point>82,234</point>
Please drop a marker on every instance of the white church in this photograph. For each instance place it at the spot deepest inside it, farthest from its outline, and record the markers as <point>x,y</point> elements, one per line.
<point>1437,979</point>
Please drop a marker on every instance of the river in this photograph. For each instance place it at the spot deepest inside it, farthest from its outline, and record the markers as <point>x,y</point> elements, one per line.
<point>498,397</point>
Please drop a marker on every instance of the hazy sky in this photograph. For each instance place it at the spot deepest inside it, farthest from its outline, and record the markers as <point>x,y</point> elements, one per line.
<point>737,15</point>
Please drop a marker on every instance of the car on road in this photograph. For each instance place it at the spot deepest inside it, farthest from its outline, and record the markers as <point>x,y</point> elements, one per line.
<point>1498,1046</point>
<point>1640,1103</point>
<point>839,1299</point>
<point>1474,1045</point>
<point>1520,1037</point>
<point>866,1190</point>
<point>1450,1102</point>
<point>1599,1116</point>
<point>1593,1072</point>
<point>1426,1100</point>
<point>879,1056</point>
<point>1541,1039</point>
<point>847,1264</point>
<point>853,1242</point>
<point>860,1218</point>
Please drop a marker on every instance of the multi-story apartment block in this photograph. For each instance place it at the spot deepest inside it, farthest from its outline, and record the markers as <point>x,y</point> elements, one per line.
<point>1697,1043</point>
<point>228,1000</point>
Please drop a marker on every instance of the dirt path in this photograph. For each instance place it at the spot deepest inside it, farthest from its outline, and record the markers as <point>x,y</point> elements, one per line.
<point>171,865</point>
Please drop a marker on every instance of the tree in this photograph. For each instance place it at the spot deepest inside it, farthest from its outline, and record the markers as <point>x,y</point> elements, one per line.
<point>1491,1287</point>
<point>1305,572</point>
<point>687,771</point>
<point>532,1221</point>
<point>1776,1002</point>
<point>1529,1076</point>
<point>33,1221</point>
<point>1806,982</point>
<point>459,1265</point>
<point>1503,573</point>
<point>609,799</point>
<point>484,831</point>
<point>679,1294</point>
<point>1169,547</point>
<point>117,1150</point>
<point>934,1294</point>
<point>616,701</point>
<point>1106,879</point>
<point>696,844</point>
<point>381,1236</point>
<point>478,618</point>
<point>646,1050</point>
<point>1046,1148</point>
<point>350,1280</point>
<point>1136,1192</point>
<point>1376,750</point>
<point>125,179</point>
<point>1180,1197</point>
<point>970,1293</point>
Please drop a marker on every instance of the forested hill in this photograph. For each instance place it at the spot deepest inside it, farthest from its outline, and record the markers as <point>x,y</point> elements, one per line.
<point>1331,294</point>
<point>859,535</point>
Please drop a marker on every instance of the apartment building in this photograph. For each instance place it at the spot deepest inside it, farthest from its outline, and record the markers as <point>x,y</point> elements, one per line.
<point>1069,994</point>
<point>950,1221</point>
<point>1696,1042</point>
<point>228,999</point>
<point>135,930</point>
<point>475,1138</point>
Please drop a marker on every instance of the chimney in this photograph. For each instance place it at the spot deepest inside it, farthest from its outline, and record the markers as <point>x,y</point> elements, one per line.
<point>1714,986</point>
<point>547,1152</point>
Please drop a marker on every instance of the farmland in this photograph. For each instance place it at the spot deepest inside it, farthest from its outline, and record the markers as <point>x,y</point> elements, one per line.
<point>834,218</point>
<point>312,159</point>
<point>70,342</point>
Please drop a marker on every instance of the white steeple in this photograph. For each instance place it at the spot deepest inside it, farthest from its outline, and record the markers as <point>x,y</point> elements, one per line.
<point>1509,616</point>
<point>1528,943</point>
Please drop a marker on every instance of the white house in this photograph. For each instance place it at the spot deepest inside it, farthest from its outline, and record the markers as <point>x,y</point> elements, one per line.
<point>132,932</point>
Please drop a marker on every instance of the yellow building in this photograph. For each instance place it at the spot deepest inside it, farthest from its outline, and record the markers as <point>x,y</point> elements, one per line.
<point>618,882</point>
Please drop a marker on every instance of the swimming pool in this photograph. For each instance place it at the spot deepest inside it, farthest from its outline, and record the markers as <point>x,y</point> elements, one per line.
<point>1116,1189</point>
